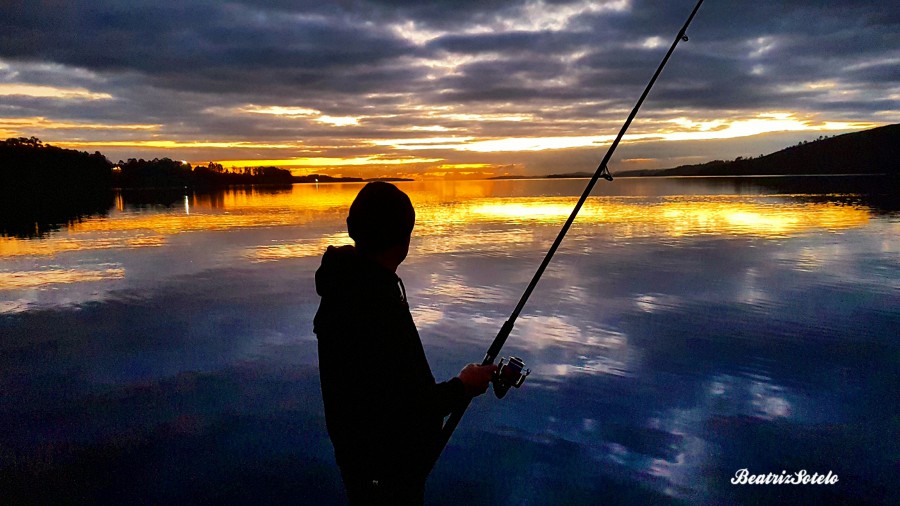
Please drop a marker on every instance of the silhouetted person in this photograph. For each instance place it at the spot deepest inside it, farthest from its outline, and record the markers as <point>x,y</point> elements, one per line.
<point>383,408</point>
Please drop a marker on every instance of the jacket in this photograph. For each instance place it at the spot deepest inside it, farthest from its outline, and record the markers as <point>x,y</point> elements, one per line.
<point>383,408</point>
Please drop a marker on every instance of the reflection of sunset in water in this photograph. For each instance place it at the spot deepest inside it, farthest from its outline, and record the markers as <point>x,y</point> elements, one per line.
<point>448,227</point>
<point>233,209</point>
<point>682,216</point>
<point>10,247</point>
<point>450,217</point>
<point>34,279</point>
<point>297,249</point>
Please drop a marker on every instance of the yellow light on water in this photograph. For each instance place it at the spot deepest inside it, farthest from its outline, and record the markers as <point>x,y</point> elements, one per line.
<point>456,217</point>
<point>35,279</point>
<point>673,217</point>
<point>537,211</point>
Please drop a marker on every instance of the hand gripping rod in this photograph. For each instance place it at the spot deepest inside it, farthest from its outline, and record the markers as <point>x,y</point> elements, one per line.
<point>602,171</point>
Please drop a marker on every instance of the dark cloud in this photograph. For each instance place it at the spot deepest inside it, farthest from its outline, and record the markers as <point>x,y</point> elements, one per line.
<point>513,43</point>
<point>195,46</point>
<point>571,67</point>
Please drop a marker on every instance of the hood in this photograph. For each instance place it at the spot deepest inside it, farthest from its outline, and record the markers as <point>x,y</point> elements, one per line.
<point>346,274</point>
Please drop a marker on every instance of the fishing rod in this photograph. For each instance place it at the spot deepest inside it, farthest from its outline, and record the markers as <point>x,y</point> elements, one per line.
<point>513,373</point>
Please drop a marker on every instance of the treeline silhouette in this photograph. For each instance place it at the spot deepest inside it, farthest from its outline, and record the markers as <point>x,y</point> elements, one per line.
<point>168,173</point>
<point>46,187</point>
<point>874,151</point>
<point>27,163</point>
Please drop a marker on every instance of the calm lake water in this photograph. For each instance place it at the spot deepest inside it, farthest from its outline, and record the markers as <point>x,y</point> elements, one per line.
<point>687,329</point>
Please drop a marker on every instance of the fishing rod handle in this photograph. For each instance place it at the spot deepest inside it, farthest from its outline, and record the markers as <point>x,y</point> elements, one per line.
<point>457,414</point>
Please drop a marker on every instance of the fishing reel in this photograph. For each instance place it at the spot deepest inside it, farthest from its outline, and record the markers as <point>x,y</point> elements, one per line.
<point>509,374</point>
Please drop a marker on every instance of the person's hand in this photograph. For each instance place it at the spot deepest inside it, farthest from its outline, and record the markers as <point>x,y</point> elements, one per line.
<point>475,378</point>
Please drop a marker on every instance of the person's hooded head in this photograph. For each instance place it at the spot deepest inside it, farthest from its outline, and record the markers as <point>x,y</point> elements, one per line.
<point>381,218</point>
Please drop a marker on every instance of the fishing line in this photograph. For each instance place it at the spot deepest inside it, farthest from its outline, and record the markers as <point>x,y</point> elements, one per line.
<point>515,372</point>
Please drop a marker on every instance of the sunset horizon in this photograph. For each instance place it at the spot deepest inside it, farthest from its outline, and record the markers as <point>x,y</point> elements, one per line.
<point>381,165</point>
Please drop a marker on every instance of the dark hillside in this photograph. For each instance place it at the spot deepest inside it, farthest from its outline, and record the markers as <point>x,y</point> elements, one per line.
<point>875,151</point>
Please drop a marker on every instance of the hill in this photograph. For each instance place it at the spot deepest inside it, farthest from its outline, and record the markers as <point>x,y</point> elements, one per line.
<point>874,151</point>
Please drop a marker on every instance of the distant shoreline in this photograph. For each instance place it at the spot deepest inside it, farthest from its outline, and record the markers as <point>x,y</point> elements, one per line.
<point>321,178</point>
<point>874,151</point>
<point>30,167</point>
<point>701,176</point>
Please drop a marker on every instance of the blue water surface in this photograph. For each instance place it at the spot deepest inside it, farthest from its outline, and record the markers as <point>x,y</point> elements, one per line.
<point>687,329</point>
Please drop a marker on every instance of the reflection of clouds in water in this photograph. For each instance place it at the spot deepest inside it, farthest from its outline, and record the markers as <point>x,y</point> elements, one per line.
<point>426,316</point>
<point>425,243</point>
<point>465,239</point>
<point>572,293</point>
<point>36,279</point>
<point>838,258</point>
<point>682,473</point>
<point>539,332</point>
<point>670,451</point>
<point>585,365</point>
<point>26,290</point>
<point>296,249</point>
<point>663,453</point>
<point>277,338</point>
<point>431,241</point>
<point>10,247</point>
<point>13,306</point>
<point>657,302</point>
<point>812,258</point>
<point>453,289</point>
<point>592,351</point>
<point>752,291</point>
<point>768,401</point>
<point>724,396</point>
<point>606,365</point>
<point>198,323</point>
<point>753,396</point>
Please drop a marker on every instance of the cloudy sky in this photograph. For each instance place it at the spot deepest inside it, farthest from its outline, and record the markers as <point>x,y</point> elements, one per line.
<point>431,88</point>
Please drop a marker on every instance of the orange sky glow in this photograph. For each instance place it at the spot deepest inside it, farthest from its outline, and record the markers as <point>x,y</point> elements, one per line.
<point>401,156</point>
<point>407,156</point>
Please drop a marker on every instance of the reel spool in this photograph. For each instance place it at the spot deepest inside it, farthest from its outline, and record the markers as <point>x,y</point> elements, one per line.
<point>509,374</point>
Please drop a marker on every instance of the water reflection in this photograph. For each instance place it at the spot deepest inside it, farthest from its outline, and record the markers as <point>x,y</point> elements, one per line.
<point>679,216</point>
<point>39,213</point>
<point>686,329</point>
<point>471,225</point>
<point>10,247</point>
<point>445,219</point>
<point>297,249</point>
<point>34,279</point>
